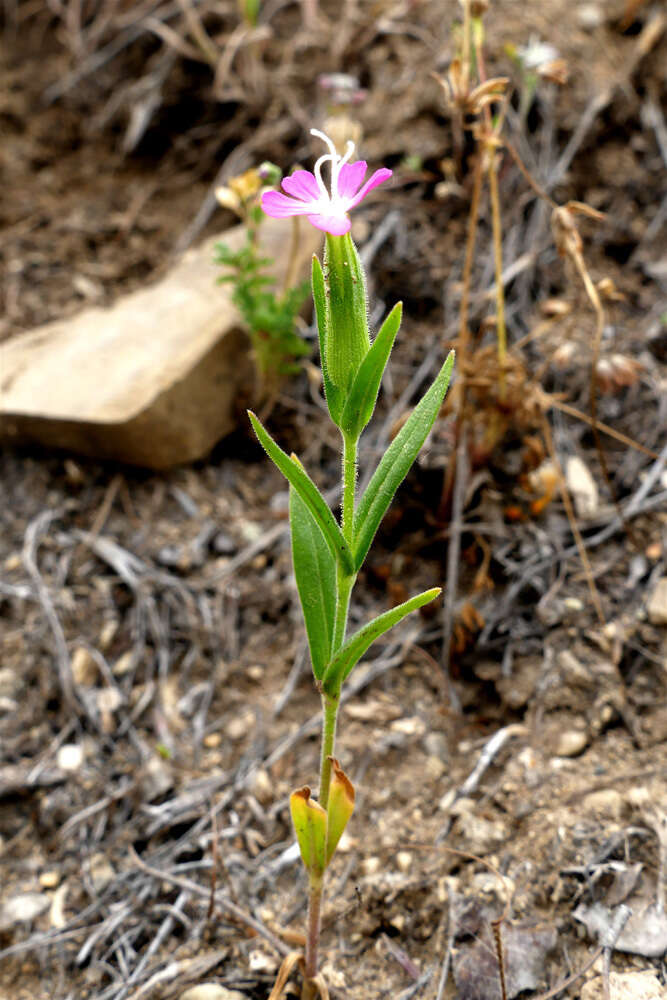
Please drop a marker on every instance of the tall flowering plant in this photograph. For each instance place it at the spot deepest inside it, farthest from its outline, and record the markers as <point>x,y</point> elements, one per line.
<point>328,553</point>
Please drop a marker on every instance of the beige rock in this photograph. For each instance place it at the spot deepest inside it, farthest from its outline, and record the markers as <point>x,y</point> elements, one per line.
<point>625,986</point>
<point>211,991</point>
<point>606,802</point>
<point>656,608</point>
<point>22,908</point>
<point>151,381</point>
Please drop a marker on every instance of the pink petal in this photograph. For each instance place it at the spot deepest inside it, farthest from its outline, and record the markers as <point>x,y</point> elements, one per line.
<point>350,177</point>
<point>336,225</point>
<point>302,185</point>
<point>379,177</point>
<point>279,206</point>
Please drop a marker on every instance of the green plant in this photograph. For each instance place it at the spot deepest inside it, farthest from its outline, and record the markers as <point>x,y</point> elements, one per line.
<point>270,315</point>
<point>328,553</point>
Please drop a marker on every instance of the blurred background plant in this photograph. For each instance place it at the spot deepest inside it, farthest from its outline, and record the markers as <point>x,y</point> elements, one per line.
<point>270,315</point>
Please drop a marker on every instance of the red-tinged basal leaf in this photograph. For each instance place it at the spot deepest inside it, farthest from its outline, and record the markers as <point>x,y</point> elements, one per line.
<point>310,826</point>
<point>340,808</point>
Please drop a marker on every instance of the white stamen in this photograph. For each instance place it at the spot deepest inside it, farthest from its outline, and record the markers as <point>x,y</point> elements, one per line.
<point>336,162</point>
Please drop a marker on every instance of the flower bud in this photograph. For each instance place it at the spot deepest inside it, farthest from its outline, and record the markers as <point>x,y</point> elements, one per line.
<point>348,340</point>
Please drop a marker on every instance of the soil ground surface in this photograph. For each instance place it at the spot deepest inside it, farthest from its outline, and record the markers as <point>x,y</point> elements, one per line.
<point>508,747</point>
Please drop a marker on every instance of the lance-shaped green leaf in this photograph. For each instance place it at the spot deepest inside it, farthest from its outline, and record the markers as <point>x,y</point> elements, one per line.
<point>349,655</point>
<point>315,572</point>
<point>297,477</point>
<point>333,395</point>
<point>310,826</point>
<point>340,808</point>
<point>395,463</point>
<point>364,390</point>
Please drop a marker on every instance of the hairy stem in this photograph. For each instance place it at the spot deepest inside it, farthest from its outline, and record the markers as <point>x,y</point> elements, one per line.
<point>329,716</point>
<point>345,582</point>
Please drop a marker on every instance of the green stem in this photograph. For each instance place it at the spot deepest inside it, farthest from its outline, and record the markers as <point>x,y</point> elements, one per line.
<point>349,484</point>
<point>330,703</point>
<point>329,717</point>
<point>345,582</point>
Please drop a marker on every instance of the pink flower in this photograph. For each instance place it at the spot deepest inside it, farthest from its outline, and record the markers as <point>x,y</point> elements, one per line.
<point>325,210</point>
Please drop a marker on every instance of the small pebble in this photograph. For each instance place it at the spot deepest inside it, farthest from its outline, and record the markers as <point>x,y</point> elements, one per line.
<point>410,726</point>
<point>582,486</point>
<point>22,908</point>
<point>435,745</point>
<point>590,16</point>
<point>212,740</point>
<point>49,880</point>
<point>10,682</point>
<point>84,668</point>
<point>100,871</point>
<point>239,726</point>
<point>404,861</point>
<point>211,991</point>
<point>371,866</point>
<point>607,802</point>
<point>434,768</point>
<point>571,743</point>
<point>108,634</point>
<point>123,664</point>
<point>259,961</point>
<point>263,788</point>
<point>656,607</point>
<point>625,986</point>
<point>70,757</point>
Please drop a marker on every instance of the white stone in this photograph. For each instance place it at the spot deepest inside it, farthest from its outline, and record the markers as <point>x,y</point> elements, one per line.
<point>590,16</point>
<point>211,991</point>
<point>152,380</point>
<point>70,757</point>
<point>22,908</point>
<point>582,487</point>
